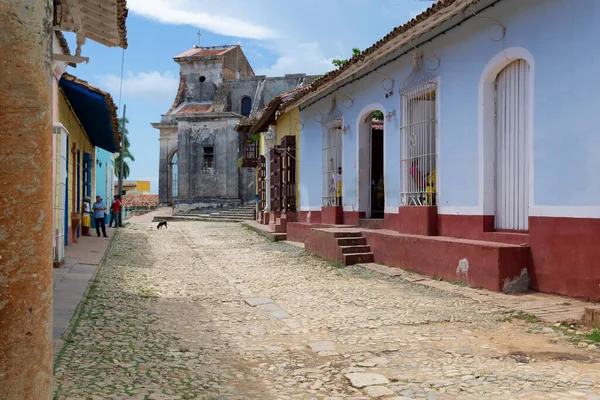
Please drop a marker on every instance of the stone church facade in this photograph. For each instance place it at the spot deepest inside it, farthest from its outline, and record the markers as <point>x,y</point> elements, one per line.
<point>199,148</point>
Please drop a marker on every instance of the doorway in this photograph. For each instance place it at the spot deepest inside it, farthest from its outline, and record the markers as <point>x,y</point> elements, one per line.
<point>371,166</point>
<point>512,161</point>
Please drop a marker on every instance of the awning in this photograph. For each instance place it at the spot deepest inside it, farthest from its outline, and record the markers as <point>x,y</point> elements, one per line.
<point>95,110</point>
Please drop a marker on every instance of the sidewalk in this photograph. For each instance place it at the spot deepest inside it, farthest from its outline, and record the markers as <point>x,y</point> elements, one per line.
<point>71,280</point>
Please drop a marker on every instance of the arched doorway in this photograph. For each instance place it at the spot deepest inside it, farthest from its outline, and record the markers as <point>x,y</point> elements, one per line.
<point>371,189</point>
<point>512,146</point>
<point>173,177</point>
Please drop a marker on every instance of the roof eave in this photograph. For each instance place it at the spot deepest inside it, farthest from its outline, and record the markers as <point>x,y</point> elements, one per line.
<point>374,56</point>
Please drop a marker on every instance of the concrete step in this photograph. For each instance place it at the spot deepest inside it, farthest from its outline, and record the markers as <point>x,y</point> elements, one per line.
<point>358,241</point>
<point>355,249</point>
<point>347,234</point>
<point>358,258</point>
<point>232,215</point>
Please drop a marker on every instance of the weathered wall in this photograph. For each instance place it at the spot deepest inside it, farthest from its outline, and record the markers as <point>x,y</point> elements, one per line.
<point>168,143</point>
<point>235,61</point>
<point>222,179</point>
<point>26,200</point>
<point>192,71</point>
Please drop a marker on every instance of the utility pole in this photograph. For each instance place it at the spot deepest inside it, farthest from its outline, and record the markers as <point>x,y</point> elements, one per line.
<point>26,202</point>
<point>121,165</point>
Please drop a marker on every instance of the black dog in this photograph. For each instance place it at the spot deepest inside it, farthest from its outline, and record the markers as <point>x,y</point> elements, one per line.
<point>162,223</point>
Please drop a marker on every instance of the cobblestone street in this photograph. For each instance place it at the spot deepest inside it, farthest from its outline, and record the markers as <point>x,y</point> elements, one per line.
<point>214,311</point>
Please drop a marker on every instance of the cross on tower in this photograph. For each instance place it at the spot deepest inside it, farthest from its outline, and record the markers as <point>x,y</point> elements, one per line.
<point>199,38</point>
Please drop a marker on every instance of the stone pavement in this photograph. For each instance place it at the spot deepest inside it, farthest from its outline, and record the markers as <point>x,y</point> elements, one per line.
<point>71,280</point>
<point>148,217</point>
<point>546,307</point>
<point>213,311</point>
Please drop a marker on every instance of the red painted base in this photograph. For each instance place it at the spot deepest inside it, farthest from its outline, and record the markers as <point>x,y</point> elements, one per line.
<point>418,220</point>
<point>353,217</point>
<point>310,217</point>
<point>332,215</point>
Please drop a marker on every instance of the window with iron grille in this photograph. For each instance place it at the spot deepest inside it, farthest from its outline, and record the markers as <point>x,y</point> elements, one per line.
<point>208,157</point>
<point>332,166</point>
<point>418,139</point>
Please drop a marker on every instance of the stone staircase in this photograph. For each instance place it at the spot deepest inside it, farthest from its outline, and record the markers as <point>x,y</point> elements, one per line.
<point>354,248</point>
<point>347,246</point>
<point>239,214</point>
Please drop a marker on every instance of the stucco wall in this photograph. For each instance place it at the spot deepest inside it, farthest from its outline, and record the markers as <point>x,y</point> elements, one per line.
<point>566,146</point>
<point>78,137</point>
<point>191,71</point>
<point>219,181</point>
<point>289,124</point>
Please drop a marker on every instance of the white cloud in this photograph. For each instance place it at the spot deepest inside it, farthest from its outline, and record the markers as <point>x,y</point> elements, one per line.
<point>183,12</point>
<point>306,58</point>
<point>143,85</point>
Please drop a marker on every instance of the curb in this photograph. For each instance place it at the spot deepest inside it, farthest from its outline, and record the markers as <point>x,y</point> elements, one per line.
<point>272,236</point>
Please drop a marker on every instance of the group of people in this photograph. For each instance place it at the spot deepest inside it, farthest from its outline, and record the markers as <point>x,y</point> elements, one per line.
<point>99,211</point>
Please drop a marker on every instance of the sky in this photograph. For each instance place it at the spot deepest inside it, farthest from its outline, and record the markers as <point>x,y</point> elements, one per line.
<point>278,37</point>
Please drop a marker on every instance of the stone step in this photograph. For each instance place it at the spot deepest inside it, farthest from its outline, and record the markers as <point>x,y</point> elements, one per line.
<point>358,258</point>
<point>232,215</point>
<point>357,241</point>
<point>347,234</point>
<point>355,249</point>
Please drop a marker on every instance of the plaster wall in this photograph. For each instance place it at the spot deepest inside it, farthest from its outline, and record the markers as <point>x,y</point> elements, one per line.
<point>168,144</point>
<point>196,181</point>
<point>566,144</point>
<point>192,71</point>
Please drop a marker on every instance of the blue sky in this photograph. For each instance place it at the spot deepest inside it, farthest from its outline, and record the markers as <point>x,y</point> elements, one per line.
<point>277,36</point>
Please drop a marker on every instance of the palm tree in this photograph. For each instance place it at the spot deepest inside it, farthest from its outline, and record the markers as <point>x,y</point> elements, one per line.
<point>126,153</point>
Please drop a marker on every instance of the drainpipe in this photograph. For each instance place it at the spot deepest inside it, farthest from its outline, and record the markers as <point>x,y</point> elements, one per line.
<point>26,201</point>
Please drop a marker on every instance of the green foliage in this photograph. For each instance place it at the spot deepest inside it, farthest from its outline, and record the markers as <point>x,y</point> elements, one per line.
<point>255,138</point>
<point>339,63</point>
<point>239,162</point>
<point>126,152</point>
<point>594,336</point>
<point>378,115</point>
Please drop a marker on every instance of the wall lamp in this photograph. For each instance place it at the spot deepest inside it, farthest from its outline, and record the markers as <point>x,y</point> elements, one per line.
<point>389,115</point>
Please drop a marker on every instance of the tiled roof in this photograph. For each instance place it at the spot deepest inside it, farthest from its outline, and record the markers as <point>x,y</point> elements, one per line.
<point>140,200</point>
<point>205,51</point>
<point>404,30</point>
<point>62,41</point>
<point>122,13</point>
<point>194,108</point>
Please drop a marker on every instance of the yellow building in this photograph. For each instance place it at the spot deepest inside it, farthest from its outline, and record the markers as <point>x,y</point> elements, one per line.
<point>272,146</point>
<point>134,187</point>
<point>84,118</point>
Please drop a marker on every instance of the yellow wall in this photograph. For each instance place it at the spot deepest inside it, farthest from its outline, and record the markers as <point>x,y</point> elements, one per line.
<point>77,135</point>
<point>143,186</point>
<point>289,124</point>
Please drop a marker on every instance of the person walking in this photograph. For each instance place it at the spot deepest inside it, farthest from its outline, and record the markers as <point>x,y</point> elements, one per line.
<point>99,216</point>
<point>86,217</point>
<point>115,209</point>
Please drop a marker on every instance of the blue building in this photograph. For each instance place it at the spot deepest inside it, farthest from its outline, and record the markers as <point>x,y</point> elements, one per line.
<point>105,177</point>
<point>489,152</point>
